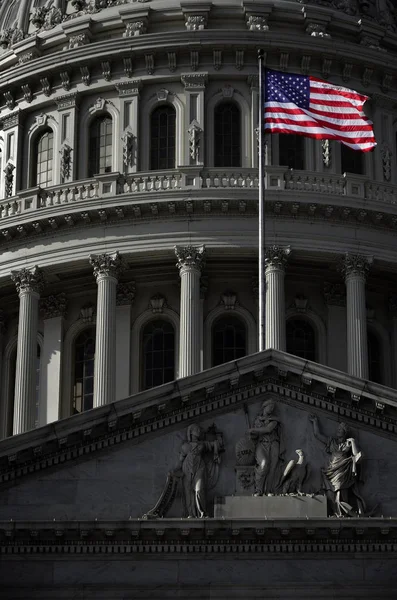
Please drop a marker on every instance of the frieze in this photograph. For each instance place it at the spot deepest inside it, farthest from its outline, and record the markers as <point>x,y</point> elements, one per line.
<point>66,101</point>
<point>194,81</point>
<point>10,121</point>
<point>129,88</point>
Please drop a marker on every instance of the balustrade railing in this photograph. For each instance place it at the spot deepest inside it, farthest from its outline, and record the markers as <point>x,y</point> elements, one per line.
<point>114,184</point>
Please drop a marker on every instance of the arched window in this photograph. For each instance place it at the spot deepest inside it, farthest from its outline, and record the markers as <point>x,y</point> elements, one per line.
<point>229,340</point>
<point>291,150</point>
<point>158,347</point>
<point>352,161</point>
<point>227,135</point>
<point>162,138</point>
<point>83,384</point>
<point>44,155</point>
<point>100,146</point>
<point>374,357</point>
<point>301,339</point>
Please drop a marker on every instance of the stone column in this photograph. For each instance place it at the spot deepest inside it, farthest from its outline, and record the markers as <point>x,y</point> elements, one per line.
<point>335,299</point>
<point>53,309</point>
<point>3,391</point>
<point>107,268</point>
<point>29,283</point>
<point>275,263</point>
<point>190,262</point>
<point>124,300</point>
<point>355,269</point>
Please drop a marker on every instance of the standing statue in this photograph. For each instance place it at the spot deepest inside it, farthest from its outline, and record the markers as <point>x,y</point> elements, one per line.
<point>341,475</point>
<point>269,449</point>
<point>199,463</point>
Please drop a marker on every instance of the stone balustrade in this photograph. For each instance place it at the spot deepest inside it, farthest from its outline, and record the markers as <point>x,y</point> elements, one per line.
<point>34,200</point>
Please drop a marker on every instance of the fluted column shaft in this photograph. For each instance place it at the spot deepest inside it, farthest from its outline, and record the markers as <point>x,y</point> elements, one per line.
<point>107,268</point>
<point>275,331</point>
<point>355,269</point>
<point>29,283</point>
<point>190,263</point>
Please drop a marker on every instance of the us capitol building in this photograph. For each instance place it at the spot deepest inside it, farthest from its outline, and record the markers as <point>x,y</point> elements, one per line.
<point>147,449</point>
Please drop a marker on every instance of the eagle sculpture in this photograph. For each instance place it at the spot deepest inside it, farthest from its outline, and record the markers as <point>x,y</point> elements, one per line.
<point>294,475</point>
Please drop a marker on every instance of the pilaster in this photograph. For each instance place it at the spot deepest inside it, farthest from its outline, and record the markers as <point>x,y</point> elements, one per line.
<point>194,116</point>
<point>53,309</point>
<point>12,131</point>
<point>29,284</point>
<point>66,152</point>
<point>125,295</point>
<point>190,263</point>
<point>107,268</point>
<point>335,299</point>
<point>129,124</point>
<point>275,264</point>
<point>253,82</point>
<point>355,269</point>
<point>393,316</point>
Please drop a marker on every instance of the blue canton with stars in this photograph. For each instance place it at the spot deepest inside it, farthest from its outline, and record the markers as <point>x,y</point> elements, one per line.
<point>287,87</point>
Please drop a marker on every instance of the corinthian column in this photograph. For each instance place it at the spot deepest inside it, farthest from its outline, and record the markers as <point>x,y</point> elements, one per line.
<point>190,262</point>
<point>29,283</point>
<point>107,268</point>
<point>275,263</point>
<point>355,269</point>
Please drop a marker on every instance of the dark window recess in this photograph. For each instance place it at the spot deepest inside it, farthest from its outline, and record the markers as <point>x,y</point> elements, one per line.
<point>44,152</point>
<point>100,146</point>
<point>291,151</point>
<point>301,339</point>
<point>374,358</point>
<point>84,356</point>
<point>158,353</point>
<point>227,135</point>
<point>162,138</point>
<point>229,340</point>
<point>352,161</point>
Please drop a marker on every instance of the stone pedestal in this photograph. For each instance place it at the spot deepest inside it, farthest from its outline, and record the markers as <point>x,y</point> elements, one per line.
<point>270,507</point>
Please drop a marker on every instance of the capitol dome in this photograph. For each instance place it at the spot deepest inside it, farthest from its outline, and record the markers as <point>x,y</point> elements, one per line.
<point>144,430</point>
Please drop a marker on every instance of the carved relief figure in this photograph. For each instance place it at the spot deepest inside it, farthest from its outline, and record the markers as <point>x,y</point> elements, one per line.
<point>199,463</point>
<point>341,475</point>
<point>295,474</point>
<point>269,450</point>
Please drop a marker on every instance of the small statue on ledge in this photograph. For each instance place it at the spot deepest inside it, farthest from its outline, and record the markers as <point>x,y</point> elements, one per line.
<point>341,475</point>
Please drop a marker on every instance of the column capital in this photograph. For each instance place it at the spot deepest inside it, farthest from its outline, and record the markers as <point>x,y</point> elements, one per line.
<point>53,306</point>
<point>277,257</point>
<point>355,265</point>
<point>335,294</point>
<point>28,280</point>
<point>107,265</point>
<point>190,257</point>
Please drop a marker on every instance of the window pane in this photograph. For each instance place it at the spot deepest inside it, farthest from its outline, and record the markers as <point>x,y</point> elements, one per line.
<point>83,387</point>
<point>229,340</point>
<point>162,138</point>
<point>291,151</point>
<point>352,161</point>
<point>227,135</point>
<point>44,157</point>
<point>158,346</point>
<point>100,146</point>
<point>301,339</point>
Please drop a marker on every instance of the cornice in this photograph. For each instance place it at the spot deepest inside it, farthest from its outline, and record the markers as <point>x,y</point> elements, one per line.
<point>195,537</point>
<point>291,380</point>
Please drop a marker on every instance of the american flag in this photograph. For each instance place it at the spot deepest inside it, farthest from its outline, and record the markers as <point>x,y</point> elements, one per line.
<point>315,108</point>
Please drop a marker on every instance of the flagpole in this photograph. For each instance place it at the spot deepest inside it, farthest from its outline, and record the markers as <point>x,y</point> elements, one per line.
<point>262,280</point>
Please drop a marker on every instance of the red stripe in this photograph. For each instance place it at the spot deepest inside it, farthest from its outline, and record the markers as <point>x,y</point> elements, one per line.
<point>336,103</point>
<point>320,136</point>
<point>319,123</point>
<point>335,90</point>
<point>324,113</point>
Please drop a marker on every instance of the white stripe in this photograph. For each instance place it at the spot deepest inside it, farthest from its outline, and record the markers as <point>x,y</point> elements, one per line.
<point>336,88</point>
<point>347,110</point>
<point>336,99</point>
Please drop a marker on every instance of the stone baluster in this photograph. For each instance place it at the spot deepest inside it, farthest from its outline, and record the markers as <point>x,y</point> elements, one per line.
<point>29,284</point>
<point>107,268</point>
<point>355,269</point>
<point>190,263</point>
<point>275,330</point>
